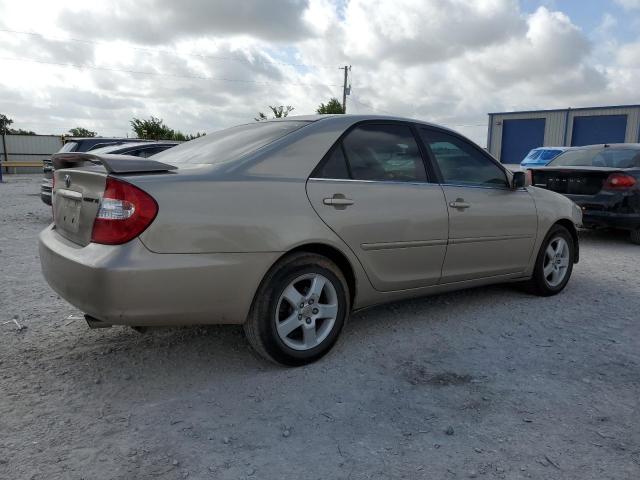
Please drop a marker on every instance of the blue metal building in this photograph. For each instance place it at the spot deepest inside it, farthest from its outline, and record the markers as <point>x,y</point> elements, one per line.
<point>512,134</point>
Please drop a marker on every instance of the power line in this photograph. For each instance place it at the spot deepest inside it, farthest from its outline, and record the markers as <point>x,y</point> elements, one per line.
<point>370,106</point>
<point>443,124</point>
<point>166,52</point>
<point>167,75</point>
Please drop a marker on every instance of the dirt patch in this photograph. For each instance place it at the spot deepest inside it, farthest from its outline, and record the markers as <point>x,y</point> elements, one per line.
<point>507,385</point>
<point>421,376</point>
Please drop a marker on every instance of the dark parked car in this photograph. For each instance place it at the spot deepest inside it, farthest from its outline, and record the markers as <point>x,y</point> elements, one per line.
<point>118,146</point>
<point>604,180</point>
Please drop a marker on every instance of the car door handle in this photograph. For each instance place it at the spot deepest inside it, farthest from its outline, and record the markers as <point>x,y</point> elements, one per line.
<point>459,204</point>
<point>338,201</point>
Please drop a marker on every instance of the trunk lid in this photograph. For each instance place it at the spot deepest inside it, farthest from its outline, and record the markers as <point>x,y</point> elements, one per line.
<point>572,180</point>
<point>78,191</point>
<point>76,200</point>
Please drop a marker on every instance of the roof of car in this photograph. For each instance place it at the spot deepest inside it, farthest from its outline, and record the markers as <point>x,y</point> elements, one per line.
<point>608,145</point>
<point>550,147</point>
<point>354,118</point>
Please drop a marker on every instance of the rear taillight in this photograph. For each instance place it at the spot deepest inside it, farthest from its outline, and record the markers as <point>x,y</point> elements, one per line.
<point>618,181</point>
<point>125,212</point>
<point>528,178</point>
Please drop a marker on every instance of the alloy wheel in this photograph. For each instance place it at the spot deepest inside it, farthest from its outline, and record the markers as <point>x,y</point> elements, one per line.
<point>306,311</point>
<point>556,261</point>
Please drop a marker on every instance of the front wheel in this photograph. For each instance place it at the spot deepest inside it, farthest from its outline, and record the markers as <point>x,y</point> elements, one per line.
<point>554,263</point>
<point>635,236</point>
<point>299,310</point>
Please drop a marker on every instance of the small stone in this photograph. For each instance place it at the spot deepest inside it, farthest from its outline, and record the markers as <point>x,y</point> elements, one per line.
<point>226,440</point>
<point>286,433</point>
<point>449,430</point>
<point>478,450</point>
<point>175,463</point>
<point>473,474</point>
<point>97,381</point>
<point>251,472</point>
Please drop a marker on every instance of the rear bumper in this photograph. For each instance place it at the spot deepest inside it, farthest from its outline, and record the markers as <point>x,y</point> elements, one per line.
<point>623,221</point>
<point>610,209</point>
<point>129,285</point>
<point>46,187</point>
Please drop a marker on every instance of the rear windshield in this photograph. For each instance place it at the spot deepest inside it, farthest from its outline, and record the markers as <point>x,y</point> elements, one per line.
<point>606,157</point>
<point>549,154</point>
<point>69,147</point>
<point>229,144</point>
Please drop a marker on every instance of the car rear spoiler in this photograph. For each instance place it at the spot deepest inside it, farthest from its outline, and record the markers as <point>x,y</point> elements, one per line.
<point>111,163</point>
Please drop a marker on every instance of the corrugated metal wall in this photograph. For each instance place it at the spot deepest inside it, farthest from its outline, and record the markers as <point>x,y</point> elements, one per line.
<point>559,124</point>
<point>29,148</point>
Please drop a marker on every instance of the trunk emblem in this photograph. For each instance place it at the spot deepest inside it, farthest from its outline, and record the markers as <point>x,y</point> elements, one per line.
<point>67,180</point>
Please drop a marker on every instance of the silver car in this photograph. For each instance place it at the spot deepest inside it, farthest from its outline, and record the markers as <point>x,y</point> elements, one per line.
<point>287,226</point>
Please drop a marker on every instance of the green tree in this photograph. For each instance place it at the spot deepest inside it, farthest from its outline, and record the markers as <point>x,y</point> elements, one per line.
<point>5,130</point>
<point>279,111</point>
<point>4,124</point>
<point>20,131</point>
<point>81,132</point>
<point>332,106</point>
<point>153,128</point>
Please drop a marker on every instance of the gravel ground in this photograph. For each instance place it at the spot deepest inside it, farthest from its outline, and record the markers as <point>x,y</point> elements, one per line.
<point>486,383</point>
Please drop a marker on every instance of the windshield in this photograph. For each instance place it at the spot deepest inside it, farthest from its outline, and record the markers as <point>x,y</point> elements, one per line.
<point>604,157</point>
<point>229,144</point>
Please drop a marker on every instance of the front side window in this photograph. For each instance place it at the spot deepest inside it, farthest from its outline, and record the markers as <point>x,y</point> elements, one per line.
<point>461,163</point>
<point>384,152</point>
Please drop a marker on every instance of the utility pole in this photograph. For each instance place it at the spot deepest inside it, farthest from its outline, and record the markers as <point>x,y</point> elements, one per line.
<point>4,151</point>
<point>345,90</point>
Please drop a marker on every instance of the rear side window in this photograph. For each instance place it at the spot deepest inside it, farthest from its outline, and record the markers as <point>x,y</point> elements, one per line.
<point>228,145</point>
<point>384,153</point>
<point>334,167</point>
<point>461,163</point>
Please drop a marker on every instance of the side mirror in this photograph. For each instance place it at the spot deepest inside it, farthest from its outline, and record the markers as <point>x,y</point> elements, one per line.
<point>518,180</point>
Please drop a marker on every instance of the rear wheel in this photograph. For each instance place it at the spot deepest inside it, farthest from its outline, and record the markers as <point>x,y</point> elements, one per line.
<point>554,263</point>
<point>635,236</point>
<point>299,310</point>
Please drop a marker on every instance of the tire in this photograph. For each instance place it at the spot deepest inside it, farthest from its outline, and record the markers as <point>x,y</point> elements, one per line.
<point>549,284</point>
<point>635,236</point>
<point>315,322</point>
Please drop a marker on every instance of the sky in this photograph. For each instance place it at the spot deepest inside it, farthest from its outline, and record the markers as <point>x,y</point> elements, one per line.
<point>203,65</point>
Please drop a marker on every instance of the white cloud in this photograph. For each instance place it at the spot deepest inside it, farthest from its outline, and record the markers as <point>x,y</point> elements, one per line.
<point>214,64</point>
<point>629,4</point>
